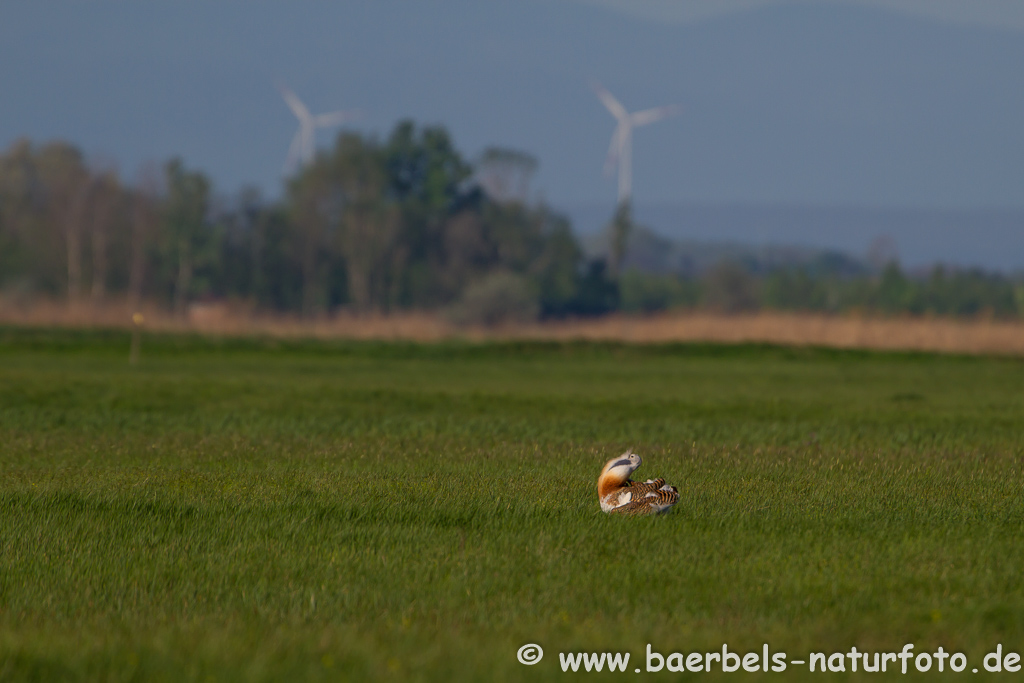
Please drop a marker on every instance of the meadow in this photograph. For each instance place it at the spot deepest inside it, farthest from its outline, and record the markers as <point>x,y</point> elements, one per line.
<point>279,509</point>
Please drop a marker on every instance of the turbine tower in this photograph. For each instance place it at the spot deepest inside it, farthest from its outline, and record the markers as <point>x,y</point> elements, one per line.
<point>620,151</point>
<point>300,152</point>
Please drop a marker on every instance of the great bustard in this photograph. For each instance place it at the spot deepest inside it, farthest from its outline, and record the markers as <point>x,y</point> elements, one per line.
<point>619,494</point>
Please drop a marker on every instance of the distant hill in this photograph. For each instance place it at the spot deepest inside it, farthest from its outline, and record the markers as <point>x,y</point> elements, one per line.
<point>651,252</point>
<point>989,238</point>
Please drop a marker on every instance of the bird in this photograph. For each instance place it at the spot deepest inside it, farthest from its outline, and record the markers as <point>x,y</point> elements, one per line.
<point>619,494</point>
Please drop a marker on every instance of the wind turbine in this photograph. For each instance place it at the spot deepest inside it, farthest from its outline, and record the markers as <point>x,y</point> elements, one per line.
<point>301,150</point>
<point>620,151</point>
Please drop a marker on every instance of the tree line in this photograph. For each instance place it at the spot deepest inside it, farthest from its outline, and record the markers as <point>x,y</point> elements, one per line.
<point>732,288</point>
<point>381,225</point>
<point>371,225</point>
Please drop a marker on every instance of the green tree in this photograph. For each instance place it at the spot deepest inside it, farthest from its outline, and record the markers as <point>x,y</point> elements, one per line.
<point>65,184</point>
<point>144,211</point>
<point>106,200</point>
<point>652,292</point>
<point>894,293</point>
<point>795,289</point>
<point>370,221</point>
<point>315,206</point>
<point>556,268</point>
<point>427,178</point>
<point>730,288</point>
<point>24,256</point>
<point>185,227</point>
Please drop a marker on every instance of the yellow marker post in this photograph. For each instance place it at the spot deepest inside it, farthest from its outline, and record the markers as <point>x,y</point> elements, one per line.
<point>133,355</point>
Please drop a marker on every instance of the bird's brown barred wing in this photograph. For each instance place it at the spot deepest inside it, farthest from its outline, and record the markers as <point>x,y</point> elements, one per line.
<point>640,488</point>
<point>649,502</point>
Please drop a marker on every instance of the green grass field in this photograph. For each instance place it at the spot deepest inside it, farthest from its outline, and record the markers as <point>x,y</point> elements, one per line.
<point>275,511</point>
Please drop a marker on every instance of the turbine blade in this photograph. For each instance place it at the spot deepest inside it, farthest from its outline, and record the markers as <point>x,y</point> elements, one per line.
<point>335,118</point>
<point>609,101</point>
<point>298,108</point>
<point>642,118</point>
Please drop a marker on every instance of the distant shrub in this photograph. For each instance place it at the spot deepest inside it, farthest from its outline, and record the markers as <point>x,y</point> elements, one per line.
<point>592,291</point>
<point>731,288</point>
<point>647,293</point>
<point>794,289</point>
<point>500,297</point>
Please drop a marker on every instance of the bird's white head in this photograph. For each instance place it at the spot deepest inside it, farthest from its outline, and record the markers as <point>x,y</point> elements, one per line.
<point>617,470</point>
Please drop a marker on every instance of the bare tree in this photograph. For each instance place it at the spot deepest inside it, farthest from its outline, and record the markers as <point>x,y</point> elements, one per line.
<point>67,187</point>
<point>505,174</point>
<point>188,194</point>
<point>367,241</point>
<point>105,196</point>
<point>19,212</point>
<point>882,251</point>
<point>144,222</point>
<point>370,222</point>
<point>315,208</point>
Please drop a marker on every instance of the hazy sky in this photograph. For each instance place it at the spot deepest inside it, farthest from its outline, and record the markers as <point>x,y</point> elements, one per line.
<point>1005,14</point>
<point>906,103</point>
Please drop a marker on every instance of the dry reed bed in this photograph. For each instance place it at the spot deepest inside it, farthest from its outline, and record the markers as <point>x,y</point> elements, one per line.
<point>978,336</point>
